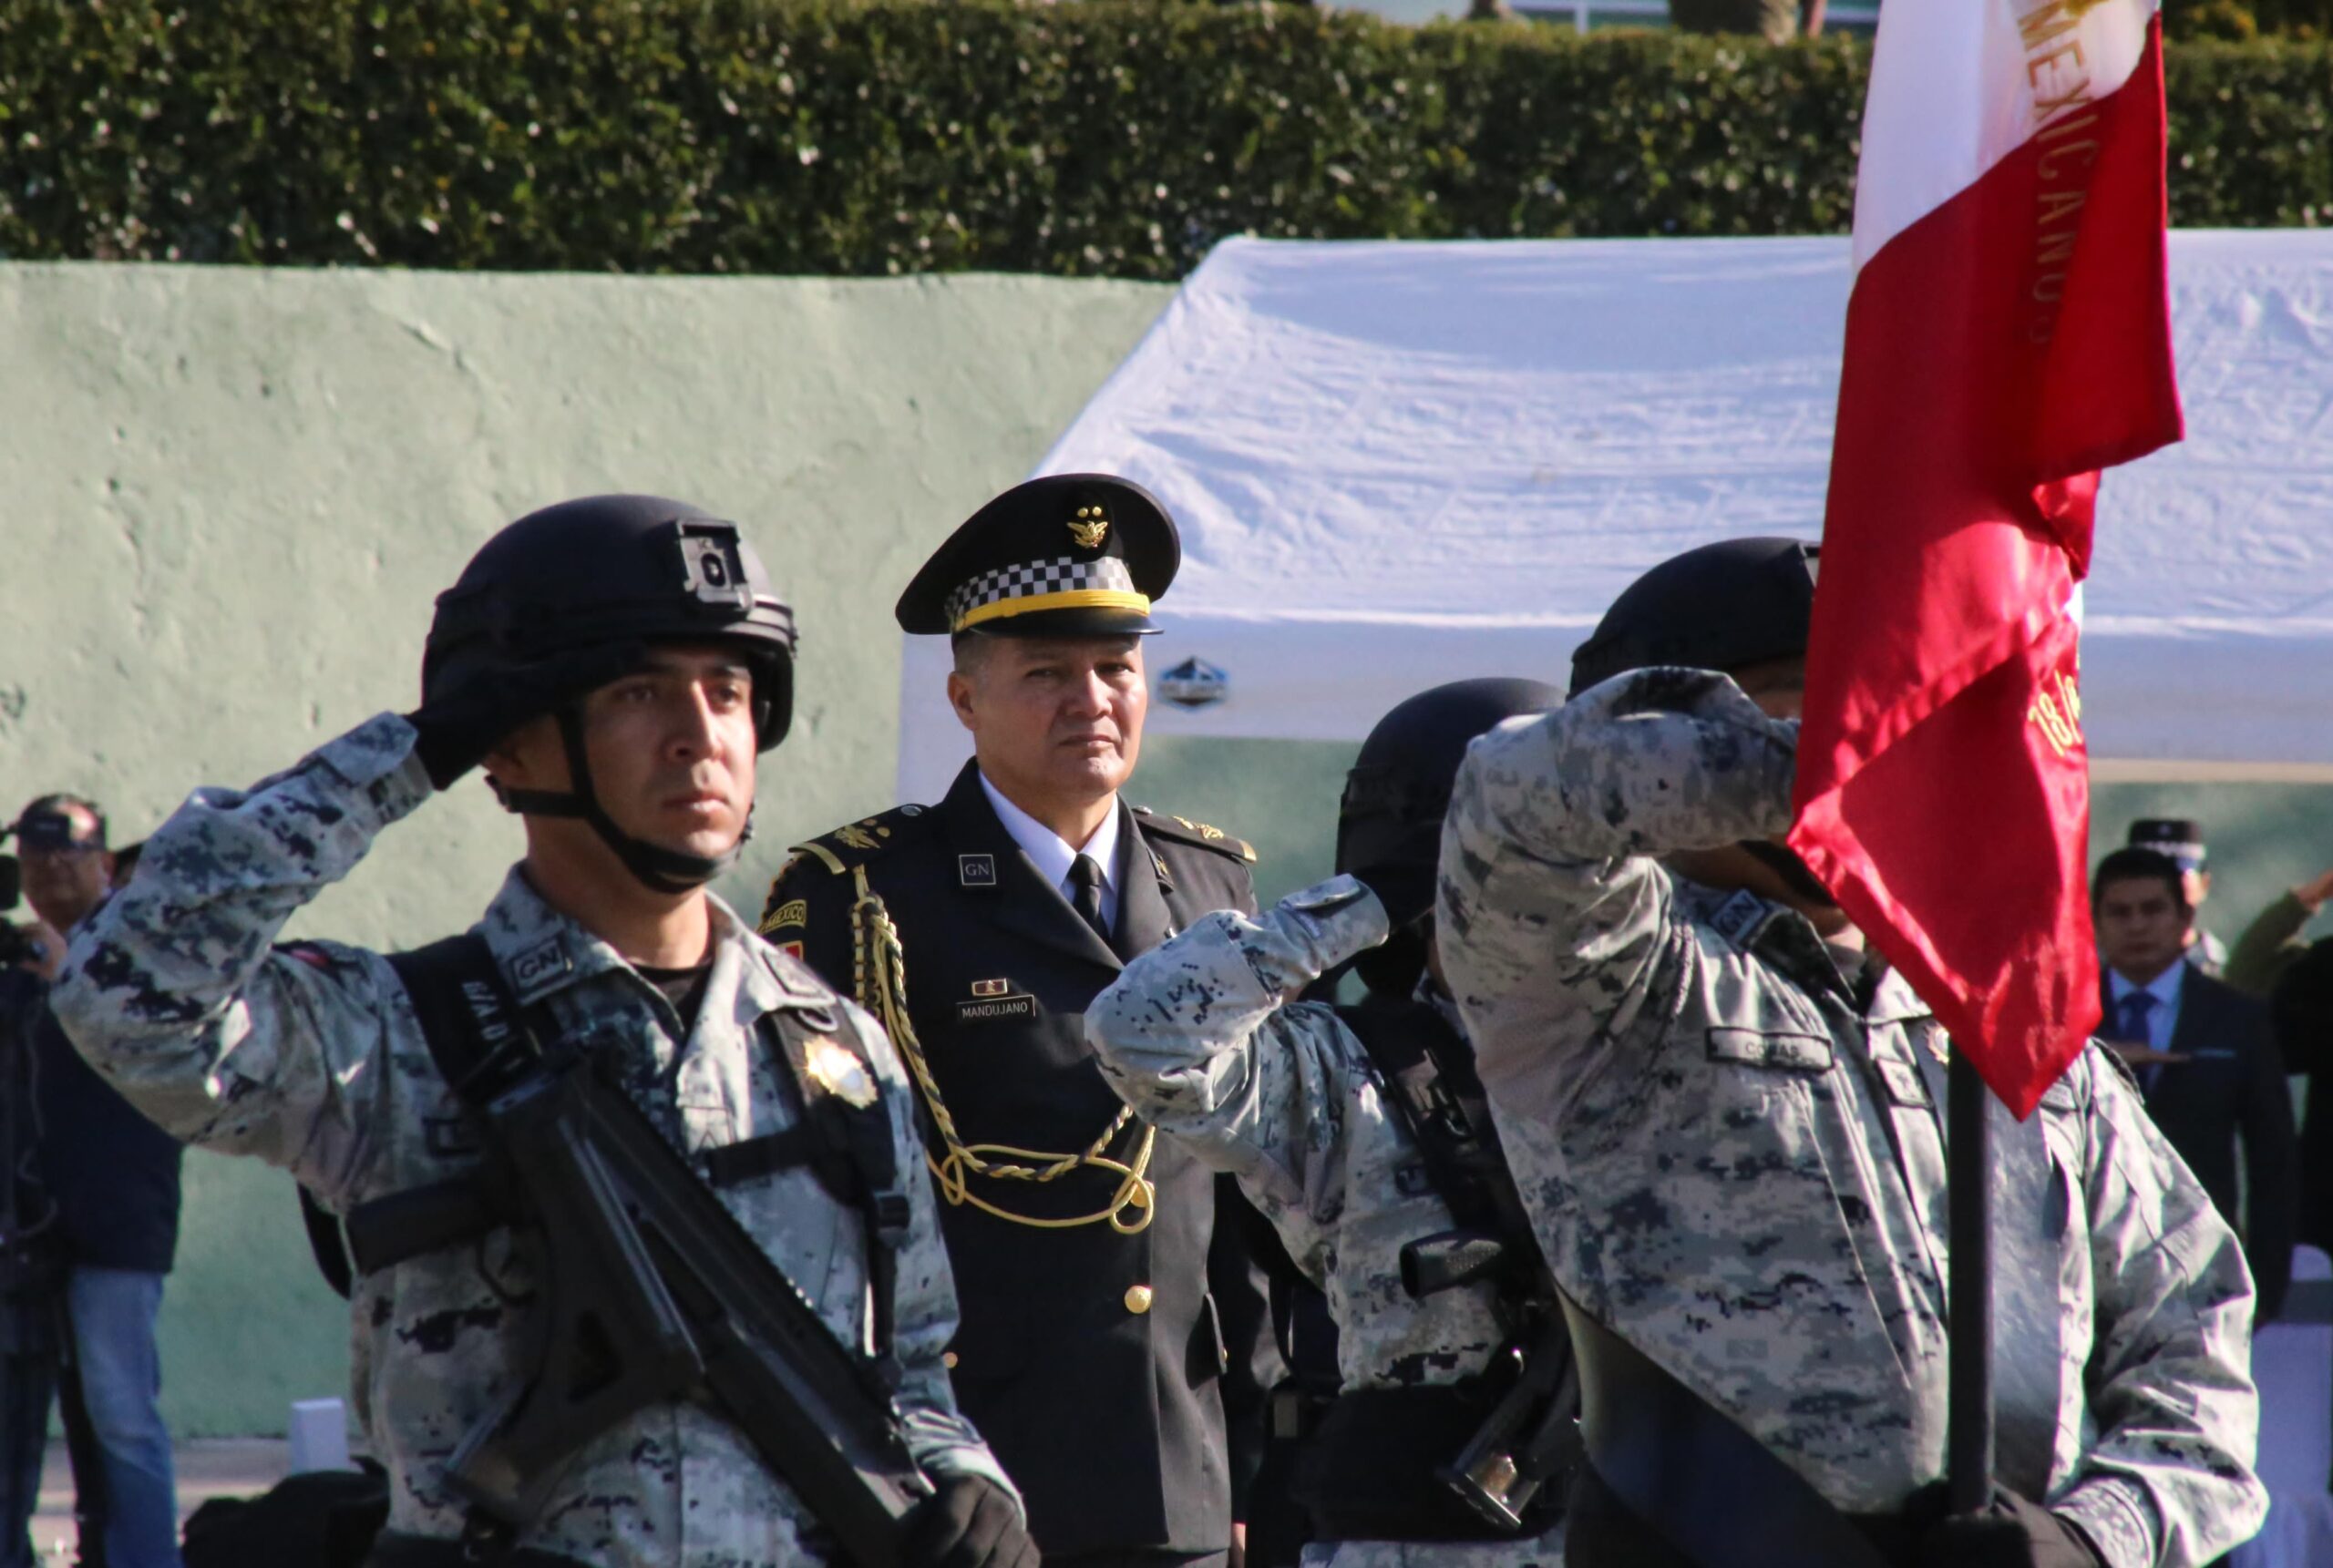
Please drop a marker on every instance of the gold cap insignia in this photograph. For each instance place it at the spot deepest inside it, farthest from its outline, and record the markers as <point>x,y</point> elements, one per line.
<point>1089,527</point>
<point>839,1072</point>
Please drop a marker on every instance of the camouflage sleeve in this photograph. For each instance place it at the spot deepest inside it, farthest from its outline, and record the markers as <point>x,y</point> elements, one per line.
<point>172,990</point>
<point>1554,913</point>
<point>924,1297</point>
<point>2168,1479</point>
<point>1202,1037</point>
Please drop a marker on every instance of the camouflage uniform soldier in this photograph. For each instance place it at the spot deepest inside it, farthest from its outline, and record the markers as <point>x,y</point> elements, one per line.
<point>1726,1124</point>
<point>1360,1135</point>
<point>617,663</point>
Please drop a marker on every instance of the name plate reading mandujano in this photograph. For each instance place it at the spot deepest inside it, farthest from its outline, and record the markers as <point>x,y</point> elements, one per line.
<point>987,1010</point>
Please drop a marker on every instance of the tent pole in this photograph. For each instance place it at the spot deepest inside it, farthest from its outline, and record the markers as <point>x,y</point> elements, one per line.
<point>1968,1430</point>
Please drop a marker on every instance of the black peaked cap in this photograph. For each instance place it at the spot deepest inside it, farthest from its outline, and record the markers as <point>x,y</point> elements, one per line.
<point>1069,555</point>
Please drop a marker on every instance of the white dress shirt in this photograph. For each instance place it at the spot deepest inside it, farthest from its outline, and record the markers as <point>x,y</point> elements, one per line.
<point>2163,1018</point>
<point>1051,853</point>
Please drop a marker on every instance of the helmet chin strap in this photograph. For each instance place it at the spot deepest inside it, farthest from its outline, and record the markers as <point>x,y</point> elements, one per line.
<point>659,869</point>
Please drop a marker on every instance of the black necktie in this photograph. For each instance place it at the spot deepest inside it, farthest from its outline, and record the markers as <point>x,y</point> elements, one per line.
<point>1085,894</point>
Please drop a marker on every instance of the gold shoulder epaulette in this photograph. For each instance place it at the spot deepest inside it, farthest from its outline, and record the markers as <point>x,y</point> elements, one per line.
<point>856,843</point>
<point>1184,830</point>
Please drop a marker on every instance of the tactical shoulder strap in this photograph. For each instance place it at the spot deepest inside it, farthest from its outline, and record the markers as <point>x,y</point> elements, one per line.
<point>436,978</point>
<point>1439,1099</point>
<point>846,1135</point>
<point>1435,1096</point>
<point>326,1244</point>
<point>432,978</point>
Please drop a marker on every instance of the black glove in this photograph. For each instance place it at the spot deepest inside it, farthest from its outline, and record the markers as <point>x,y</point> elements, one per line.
<point>453,733</point>
<point>1406,891</point>
<point>971,1522</point>
<point>2012,1531</point>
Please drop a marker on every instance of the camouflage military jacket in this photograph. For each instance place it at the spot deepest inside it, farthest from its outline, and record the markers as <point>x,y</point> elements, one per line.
<point>1734,1165</point>
<point>1203,1038</point>
<point>310,1058</point>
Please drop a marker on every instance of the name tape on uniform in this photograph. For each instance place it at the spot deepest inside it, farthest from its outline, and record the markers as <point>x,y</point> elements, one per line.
<point>987,1010</point>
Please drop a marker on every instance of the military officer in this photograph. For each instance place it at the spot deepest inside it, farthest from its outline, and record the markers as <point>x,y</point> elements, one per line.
<point>1111,1327</point>
<point>1361,1134</point>
<point>1727,1123</point>
<point>617,663</point>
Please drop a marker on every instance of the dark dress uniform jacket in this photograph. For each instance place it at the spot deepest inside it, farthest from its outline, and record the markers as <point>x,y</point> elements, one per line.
<point>2232,1086</point>
<point>1112,1421</point>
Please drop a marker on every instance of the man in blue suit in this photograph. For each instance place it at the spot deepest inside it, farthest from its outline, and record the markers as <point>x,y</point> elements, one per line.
<point>2204,1055</point>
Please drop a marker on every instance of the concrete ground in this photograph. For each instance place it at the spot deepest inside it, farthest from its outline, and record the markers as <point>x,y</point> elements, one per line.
<point>207,1468</point>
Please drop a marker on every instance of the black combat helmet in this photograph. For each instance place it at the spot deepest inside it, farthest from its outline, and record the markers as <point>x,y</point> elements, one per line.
<point>609,571</point>
<point>1399,789</point>
<point>1720,607</point>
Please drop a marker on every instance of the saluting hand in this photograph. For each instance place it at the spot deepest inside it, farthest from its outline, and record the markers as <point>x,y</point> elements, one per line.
<point>453,733</point>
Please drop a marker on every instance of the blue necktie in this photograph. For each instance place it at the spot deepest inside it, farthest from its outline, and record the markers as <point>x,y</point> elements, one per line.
<point>2135,1011</point>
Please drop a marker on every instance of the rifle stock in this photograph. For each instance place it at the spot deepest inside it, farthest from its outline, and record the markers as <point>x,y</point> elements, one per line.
<point>1530,1438</point>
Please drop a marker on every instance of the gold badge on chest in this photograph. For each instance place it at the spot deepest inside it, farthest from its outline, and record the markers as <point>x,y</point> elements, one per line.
<point>839,1071</point>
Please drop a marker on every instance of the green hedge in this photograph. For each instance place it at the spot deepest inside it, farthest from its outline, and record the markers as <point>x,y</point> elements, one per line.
<point>1106,137</point>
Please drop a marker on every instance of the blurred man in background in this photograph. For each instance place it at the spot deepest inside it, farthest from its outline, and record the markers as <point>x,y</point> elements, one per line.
<point>94,1201</point>
<point>2203,1055</point>
<point>2181,839</point>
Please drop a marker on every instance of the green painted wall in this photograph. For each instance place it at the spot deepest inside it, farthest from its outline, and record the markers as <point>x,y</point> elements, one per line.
<point>228,499</point>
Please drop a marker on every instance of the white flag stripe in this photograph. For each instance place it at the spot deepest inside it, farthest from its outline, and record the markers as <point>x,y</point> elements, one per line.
<point>1958,84</point>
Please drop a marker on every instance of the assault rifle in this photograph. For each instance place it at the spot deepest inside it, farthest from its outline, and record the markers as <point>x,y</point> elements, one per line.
<point>651,1292</point>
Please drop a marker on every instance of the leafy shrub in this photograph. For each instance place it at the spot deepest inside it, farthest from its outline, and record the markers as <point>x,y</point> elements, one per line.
<point>1119,138</point>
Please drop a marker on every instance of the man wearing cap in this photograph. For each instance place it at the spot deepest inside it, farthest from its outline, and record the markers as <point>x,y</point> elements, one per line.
<point>1110,1323</point>
<point>104,1197</point>
<point>1726,1120</point>
<point>616,664</point>
<point>2182,838</point>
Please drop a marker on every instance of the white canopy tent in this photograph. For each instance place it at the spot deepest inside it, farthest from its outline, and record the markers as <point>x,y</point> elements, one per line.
<point>1395,465</point>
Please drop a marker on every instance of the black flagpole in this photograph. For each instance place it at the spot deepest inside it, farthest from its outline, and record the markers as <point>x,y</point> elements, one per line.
<point>1968,1431</point>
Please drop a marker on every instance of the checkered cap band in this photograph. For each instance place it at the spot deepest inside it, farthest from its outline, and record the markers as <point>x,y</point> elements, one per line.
<point>1035,579</point>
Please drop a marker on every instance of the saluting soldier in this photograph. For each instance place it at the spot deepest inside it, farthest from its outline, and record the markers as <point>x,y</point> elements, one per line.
<point>1114,1346</point>
<point>617,665</point>
<point>1726,1119</point>
<point>1362,1133</point>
